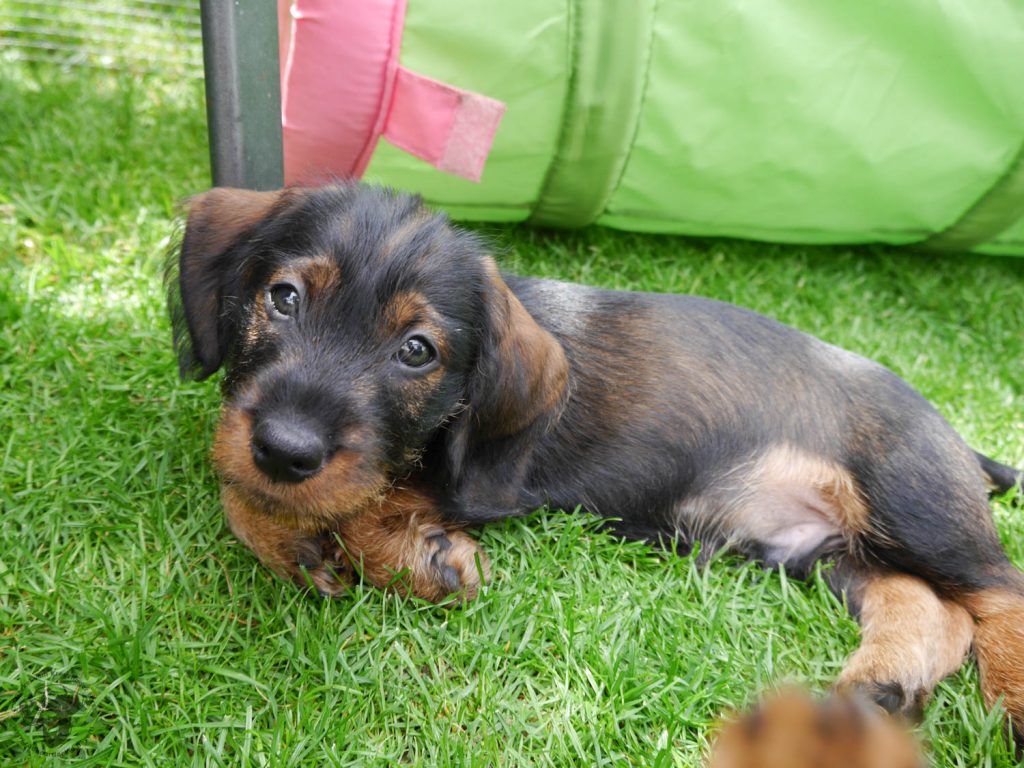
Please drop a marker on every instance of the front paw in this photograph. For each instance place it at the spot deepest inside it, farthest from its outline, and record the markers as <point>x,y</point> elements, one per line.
<point>451,563</point>
<point>412,555</point>
<point>319,564</point>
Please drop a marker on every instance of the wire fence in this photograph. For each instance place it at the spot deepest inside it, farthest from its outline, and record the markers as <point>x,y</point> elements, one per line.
<point>136,35</point>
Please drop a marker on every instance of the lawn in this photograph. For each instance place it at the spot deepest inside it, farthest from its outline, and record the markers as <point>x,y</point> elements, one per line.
<point>135,631</point>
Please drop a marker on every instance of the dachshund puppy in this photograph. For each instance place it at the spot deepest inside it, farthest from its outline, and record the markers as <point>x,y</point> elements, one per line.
<point>386,385</point>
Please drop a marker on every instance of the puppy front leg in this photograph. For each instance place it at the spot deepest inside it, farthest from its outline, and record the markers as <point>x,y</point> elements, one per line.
<point>299,556</point>
<point>404,543</point>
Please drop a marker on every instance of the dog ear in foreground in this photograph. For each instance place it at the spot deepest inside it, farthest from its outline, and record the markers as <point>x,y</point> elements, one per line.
<point>386,386</point>
<point>792,730</point>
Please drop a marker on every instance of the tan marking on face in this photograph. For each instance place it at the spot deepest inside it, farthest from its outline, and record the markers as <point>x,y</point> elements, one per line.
<point>344,486</point>
<point>406,309</point>
<point>318,275</point>
<point>909,635</point>
<point>256,328</point>
<point>418,390</point>
<point>410,311</point>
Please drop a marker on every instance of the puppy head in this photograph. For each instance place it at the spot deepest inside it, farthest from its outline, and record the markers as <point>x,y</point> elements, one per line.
<point>354,325</point>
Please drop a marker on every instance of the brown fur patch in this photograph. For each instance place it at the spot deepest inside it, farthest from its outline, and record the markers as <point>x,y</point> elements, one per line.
<point>406,309</point>
<point>215,220</point>
<point>418,391</point>
<point>404,543</point>
<point>532,370</point>
<point>219,216</point>
<point>909,636</point>
<point>786,499</point>
<point>790,730</point>
<point>409,309</point>
<point>999,646</point>
<point>319,275</point>
<point>345,486</point>
<point>289,552</point>
<point>257,325</point>
<point>399,541</point>
<point>787,468</point>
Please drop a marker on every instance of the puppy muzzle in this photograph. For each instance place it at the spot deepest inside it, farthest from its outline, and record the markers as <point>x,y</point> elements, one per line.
<point>288,449</point>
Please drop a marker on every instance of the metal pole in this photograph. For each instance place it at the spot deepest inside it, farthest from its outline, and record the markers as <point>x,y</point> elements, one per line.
<point>243,92</point>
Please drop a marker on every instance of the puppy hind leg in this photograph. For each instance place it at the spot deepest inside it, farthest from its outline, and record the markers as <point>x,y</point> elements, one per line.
<point>930,518</point>
<point>910,639</point>
<point>967,565</point>
<point>999,646</point>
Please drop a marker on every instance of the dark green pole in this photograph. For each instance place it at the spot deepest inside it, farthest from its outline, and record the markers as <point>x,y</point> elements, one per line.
<point>243,93</point>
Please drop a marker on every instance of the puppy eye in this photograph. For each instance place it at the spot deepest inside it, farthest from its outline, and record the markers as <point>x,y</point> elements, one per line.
<point>415,352</point>
<point>284,298</point>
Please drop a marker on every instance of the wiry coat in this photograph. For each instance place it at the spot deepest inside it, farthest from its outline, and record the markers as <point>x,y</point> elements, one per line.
<point>386,384</point>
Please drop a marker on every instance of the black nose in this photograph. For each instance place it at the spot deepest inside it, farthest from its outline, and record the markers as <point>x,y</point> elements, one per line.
<point>288,450</point>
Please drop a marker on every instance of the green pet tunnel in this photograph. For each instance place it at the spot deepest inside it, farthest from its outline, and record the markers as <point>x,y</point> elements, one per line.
<point>812,121</point>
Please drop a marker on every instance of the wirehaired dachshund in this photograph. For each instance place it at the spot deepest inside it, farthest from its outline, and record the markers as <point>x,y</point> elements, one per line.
<point>386,386</point>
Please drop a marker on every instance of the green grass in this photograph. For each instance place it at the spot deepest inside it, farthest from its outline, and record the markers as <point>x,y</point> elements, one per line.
<point>135,631</point>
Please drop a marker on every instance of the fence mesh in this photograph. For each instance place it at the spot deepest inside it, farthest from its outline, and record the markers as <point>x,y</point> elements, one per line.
<point>135,35</point>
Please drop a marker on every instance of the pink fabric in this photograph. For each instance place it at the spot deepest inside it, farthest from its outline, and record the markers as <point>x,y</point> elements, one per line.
<point>335,84</point>
<point>450,128</point>
<point>342,88</point>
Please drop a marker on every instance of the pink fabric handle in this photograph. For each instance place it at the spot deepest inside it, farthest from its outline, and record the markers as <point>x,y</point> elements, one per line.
<point>342,88</point>
<point>450,128</point>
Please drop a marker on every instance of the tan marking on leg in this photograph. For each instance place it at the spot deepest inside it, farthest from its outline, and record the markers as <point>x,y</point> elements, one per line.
<point>291,553</point>
<point>786,499</point>
<point>787,469</point>
<point>999,647</point>
<point>790,730</point>
<point>403,543</point>
<point>909,636</point>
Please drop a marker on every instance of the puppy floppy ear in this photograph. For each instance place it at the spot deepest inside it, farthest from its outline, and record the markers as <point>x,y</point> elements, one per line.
<point>206,275</point>
<point>522,370</point>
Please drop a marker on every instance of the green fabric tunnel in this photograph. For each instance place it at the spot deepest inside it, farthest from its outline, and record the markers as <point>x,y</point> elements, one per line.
<point>811,121</point>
